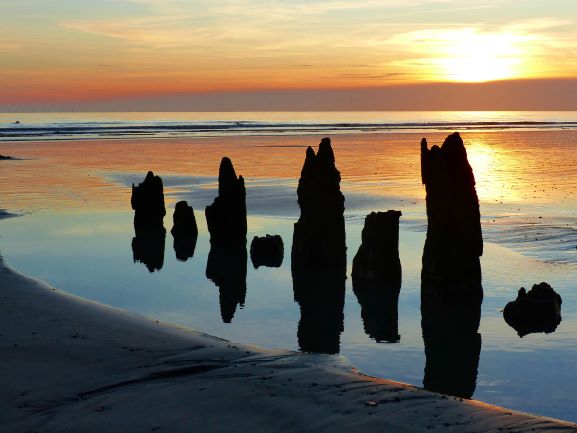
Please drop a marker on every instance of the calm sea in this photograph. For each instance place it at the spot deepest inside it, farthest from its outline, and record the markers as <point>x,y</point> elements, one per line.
<point>71,181</point>
<point>69,126</point>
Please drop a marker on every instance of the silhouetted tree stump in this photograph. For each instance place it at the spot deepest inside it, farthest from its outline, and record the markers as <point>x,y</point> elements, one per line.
<point>267,251</point>
<point>538,310</point>
<point>226,216</point>
<point>451,266</point>
<point>319,234</point>
<point>148,203</point>
<point>377,260</point>
<point>184,231</point>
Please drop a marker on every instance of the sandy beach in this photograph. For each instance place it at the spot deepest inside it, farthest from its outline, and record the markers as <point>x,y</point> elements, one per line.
<point>288,216</point>
<point>72,365</point>
<point>76,230</point>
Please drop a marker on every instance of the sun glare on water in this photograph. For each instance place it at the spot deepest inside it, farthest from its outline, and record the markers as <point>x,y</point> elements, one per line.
<point>470,56</point>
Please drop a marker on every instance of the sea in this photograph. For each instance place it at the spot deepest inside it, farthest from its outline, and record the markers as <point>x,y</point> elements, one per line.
<point>67,191</point>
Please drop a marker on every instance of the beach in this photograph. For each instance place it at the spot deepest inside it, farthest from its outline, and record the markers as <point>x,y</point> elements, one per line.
<point>71,365</point>
<point>75,232</point>
<point>292,216</point>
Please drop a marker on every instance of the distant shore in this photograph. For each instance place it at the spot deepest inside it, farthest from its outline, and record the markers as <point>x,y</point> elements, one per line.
<point>69,364</point>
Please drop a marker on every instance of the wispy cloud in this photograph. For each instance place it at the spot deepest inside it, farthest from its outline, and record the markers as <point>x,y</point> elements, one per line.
<point>9,47</point>
<point>239,44</point>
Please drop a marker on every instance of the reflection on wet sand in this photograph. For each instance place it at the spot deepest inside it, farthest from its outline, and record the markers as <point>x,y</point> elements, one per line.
<point>379,309</point>
<point>148,248</point>
<point>512,163</point>
<point>226,267</point>
<point>184,247</point>
<point>452,345</point>
<point>321,297</point>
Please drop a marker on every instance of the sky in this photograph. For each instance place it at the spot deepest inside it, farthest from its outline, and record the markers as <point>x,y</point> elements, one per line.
<point>242,54</point>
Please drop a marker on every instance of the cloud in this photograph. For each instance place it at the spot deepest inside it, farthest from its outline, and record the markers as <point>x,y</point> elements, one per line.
<point>276,35</point>
<point>540,24</point>
<point>9,47</point>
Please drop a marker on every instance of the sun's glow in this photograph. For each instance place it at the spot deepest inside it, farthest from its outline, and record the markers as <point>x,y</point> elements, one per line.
<point>470,56</point>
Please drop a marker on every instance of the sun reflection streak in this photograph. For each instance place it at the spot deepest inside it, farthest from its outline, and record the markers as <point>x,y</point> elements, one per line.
<point>492,167</point>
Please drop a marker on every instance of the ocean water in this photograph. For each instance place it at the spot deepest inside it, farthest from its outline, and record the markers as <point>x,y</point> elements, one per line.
<point>71,187</point>
<point>72,126</point>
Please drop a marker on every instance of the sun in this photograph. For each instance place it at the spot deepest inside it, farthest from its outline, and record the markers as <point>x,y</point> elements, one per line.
<point>471,56</point>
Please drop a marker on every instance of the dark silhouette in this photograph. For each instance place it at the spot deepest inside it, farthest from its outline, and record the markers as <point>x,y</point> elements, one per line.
<point>227,259</point>
<point>377,276</point>
<point>226,216</point>
<point>267,251</point>
<point>379,309</point>
<point>451,266</point>
<point>321,298</point>
<point>184,231</point>
<point>148,248</point>
<point>452,345</point>
<point>226,267</point>
<point>319,234</point>
<point>451,288</point>
<point>377,260</point>
<point>148,203</point>
<point>318,256</point>
<point>6,158</point>
<point>538,310</point>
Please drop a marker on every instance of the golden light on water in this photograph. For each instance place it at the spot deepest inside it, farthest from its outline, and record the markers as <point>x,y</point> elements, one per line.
<point>493,168</point>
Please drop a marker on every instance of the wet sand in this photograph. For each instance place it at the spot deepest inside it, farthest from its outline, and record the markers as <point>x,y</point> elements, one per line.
<point>71,365</point>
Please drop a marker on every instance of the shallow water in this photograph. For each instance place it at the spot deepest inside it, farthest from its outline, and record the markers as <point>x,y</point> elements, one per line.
<point>76,234</point>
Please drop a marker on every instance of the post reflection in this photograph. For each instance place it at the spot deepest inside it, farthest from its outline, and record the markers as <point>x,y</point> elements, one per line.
<point>321,298</point>
<point>226,267</point>
<point>148,247</point>
<point>452,345</point>
<point>184,247</point>
<point>379,309</point>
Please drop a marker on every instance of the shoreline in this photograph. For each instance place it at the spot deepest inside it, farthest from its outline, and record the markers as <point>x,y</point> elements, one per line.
<point>71,364</point>
<point>279,136</point>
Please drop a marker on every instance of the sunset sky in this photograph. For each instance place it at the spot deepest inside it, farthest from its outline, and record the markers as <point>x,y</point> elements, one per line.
<point>166,53</point>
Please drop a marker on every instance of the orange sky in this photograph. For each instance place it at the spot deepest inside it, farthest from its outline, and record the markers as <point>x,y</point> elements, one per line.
<point>58,52</point>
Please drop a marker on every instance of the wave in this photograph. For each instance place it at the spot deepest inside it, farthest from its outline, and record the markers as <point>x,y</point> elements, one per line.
<point>127,129</point>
